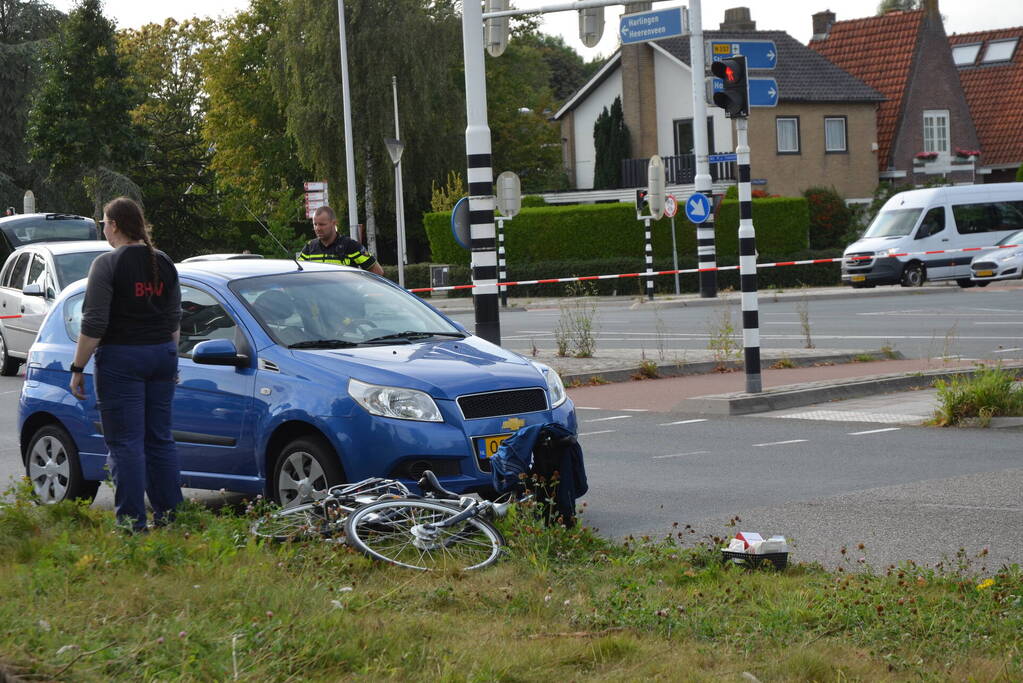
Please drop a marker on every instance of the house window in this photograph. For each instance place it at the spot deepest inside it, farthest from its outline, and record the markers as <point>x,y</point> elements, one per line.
<point>999,50</point>
<point>834,134</point>
<point>936,131</point>
<point>963,55</point>
<point>788,134</point>
<point>684,141</point>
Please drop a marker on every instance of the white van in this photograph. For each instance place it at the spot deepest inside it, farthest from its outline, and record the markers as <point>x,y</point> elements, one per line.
<point>923,225</point>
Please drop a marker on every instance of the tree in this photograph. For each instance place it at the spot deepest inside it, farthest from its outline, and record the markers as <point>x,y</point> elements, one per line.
<point>830,217</point>
<point>611,140</point>
<point>568,72</point>
<point>887,6</point>
<point>80,125</point>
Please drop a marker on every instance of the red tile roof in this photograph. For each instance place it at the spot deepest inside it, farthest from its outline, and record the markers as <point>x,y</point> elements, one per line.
<point>995,95</point>
<point>867,48</point>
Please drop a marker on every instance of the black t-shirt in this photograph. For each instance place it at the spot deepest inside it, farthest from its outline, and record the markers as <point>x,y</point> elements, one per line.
<point>123,304</point>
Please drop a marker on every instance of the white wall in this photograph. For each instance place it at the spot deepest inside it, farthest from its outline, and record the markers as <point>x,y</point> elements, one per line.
<point>585,116</point>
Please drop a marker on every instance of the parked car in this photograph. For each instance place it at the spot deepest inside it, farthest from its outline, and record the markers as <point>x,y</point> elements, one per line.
<point>219,257</point>
<point>30,281</point>
<point>28,228</point>
<point>928,229</point>
<point>293,378</point>
<point>1000,264</point>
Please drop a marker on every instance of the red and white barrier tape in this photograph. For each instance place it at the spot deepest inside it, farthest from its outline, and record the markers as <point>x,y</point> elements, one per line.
<point>9,317</point>
<point>777,264</point>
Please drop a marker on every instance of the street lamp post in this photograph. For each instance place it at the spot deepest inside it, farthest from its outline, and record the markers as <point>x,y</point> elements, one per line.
<point>395,147</point>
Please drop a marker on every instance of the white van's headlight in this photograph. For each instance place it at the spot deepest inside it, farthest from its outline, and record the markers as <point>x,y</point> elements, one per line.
<point>397,402</point>
<point>554,384</point>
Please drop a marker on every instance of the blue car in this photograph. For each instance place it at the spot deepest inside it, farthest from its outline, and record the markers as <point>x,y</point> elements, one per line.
<point>293,378</point>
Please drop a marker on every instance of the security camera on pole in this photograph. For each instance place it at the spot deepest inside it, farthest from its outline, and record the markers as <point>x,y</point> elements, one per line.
<point>652,199</point>
<point>509,201</point>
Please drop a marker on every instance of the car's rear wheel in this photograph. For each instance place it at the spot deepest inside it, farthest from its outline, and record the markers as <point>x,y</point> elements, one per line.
<point>54,469</point>
<point>8,365</point>
<point>305,469</point>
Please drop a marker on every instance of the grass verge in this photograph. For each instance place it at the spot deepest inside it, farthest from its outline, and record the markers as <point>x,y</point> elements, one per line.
<point>203,600</point>
<point>975,399</point>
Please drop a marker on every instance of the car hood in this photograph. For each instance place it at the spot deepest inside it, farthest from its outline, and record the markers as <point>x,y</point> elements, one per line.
<point>873,244</point>
<point>444,369</point>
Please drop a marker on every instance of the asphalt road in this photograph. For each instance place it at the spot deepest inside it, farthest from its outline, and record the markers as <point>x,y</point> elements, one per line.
<point>933,322</point>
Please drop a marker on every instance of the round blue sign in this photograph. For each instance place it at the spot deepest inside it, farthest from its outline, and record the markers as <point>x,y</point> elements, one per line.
<point>697,208</point>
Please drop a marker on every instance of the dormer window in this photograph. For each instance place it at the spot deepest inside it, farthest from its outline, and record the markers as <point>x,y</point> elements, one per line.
<point>999,50</point>
<point>964,55</point>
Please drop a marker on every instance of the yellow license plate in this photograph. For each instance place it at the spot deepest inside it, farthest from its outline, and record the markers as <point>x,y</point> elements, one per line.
<point>858,278</point>
<point>985,273</point>
<point>487,446</point>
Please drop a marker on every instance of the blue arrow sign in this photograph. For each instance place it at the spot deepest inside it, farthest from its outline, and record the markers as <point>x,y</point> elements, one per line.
<point>643,26</point>
<point>763,92</point>
<point>759,54</point>
<point>697,208</point>
<point>720,158</point>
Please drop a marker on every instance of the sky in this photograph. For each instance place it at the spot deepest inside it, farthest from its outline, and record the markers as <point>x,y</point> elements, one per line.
<point>792,16</point>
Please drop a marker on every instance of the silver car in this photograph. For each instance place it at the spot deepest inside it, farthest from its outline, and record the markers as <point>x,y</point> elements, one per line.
<point>30,280</point>
<point>1005,263</point>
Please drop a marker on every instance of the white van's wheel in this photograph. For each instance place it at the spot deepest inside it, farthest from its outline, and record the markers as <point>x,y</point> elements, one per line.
<point>913,275</point>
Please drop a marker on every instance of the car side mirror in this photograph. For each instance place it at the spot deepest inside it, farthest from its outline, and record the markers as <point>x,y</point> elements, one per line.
<point>32,289</point>
<point>218,352</point>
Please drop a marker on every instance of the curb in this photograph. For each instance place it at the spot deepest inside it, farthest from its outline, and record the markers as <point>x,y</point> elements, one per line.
<point>798,395</point>
<point>771,296</point>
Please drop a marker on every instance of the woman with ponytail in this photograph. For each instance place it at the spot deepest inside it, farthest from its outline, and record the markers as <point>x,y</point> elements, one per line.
<point>131,320</point>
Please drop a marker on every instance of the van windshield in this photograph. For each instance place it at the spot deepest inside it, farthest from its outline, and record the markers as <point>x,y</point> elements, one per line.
<point>893,223</point>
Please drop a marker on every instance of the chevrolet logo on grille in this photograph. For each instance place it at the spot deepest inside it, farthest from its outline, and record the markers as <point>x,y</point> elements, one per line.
<point>513,424</point>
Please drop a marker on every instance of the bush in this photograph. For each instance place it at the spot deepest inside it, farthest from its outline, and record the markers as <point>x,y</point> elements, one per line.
<point>991,392</point>
<point>1019,173</point>
<point>781,223</point>
<point>829,217</point>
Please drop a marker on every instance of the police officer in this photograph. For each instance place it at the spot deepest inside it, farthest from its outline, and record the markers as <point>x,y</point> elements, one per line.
<point>332,247</point>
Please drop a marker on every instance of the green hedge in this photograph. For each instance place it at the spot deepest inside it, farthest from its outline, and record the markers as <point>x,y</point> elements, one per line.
<point>607,231</point>
<point>785,277</point>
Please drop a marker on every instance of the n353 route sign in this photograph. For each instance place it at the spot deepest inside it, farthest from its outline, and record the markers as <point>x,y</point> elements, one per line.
<point>763,92</point>
<point>759,54</point>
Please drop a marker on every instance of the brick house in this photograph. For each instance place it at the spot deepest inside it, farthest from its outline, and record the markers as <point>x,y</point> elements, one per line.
<point>823,131</point>
<point>906,56</point>
<point>990,67</point>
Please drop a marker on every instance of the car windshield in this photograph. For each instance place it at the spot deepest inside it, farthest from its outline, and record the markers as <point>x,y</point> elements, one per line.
<point>71,267</point>
<point>893,223</point>
<point>52,230</point>
<point>1014,238</point>
<point>336,309</point>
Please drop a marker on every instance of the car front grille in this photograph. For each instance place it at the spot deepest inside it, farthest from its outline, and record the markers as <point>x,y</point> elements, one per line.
<point>498,403</point>
<point>984,265</point>
<point>848,261</point>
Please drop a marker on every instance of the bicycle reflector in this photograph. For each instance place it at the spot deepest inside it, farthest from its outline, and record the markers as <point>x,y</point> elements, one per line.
<point>734,95</point>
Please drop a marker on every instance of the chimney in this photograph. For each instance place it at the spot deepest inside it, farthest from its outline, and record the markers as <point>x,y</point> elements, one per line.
<point>738,19</point>
<point>930,8</point>
<point>822,22</point>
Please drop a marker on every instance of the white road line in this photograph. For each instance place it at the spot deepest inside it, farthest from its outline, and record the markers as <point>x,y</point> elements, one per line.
<point>679,455</point>
<point>603,431</point>
<point>588,408</point>
<point>15,391</point>
<point>1008,350</point>
<point>605,419</point>
<point>778,443</point>
<point>998,322</point>
<point>633,410</point>
<point>876,431</point>
<point>682,422</point>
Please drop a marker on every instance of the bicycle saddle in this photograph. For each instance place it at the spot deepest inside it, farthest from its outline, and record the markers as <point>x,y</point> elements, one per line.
<point>429,484</point>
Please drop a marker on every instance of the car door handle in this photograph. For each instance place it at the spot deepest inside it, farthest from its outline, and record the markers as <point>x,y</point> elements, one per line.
<point>22,309</point>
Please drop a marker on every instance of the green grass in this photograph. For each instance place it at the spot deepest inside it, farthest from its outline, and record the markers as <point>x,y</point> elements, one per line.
<point>990,392</point>
<point>202,600</point>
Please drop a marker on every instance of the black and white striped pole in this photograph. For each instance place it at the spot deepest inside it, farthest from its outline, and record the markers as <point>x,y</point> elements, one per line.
<point>655,194</point>
<point>482,233</point>
<point>502,269</point>
<point>748,262</point>
<point>509,202</point>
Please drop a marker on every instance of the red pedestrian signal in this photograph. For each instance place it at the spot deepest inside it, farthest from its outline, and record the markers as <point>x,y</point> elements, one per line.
<point>734,96</point>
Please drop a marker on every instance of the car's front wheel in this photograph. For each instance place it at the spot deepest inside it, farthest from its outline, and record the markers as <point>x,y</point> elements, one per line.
<point>8,365</point>
<point>966,282</point>
<point>54,469</point>
<point>914,275</point>
<point>305,469</point>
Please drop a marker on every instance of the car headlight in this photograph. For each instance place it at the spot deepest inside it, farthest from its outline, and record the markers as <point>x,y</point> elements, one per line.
<point>554,384</point>
<point>1002,258</point>
<point>396,402</point>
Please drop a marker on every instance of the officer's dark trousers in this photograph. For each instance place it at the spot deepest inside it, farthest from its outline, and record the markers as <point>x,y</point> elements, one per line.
<point>135,390</point>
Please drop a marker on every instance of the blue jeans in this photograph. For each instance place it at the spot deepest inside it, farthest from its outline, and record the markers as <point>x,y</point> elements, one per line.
<point>135,390</point>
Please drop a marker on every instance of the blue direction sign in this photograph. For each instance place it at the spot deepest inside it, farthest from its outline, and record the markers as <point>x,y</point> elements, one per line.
<point>697,208</point>
<point>763,92</point>
<point>759,54</point>
<point>720,158</point>
<point>643,26</point>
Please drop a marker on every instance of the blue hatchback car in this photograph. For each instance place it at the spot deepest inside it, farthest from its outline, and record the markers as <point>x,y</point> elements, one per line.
<point>293,378</point>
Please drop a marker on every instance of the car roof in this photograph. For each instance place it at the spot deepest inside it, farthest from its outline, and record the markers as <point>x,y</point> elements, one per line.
<point>69,247</point>
<point>234,269</point>
<point>18,218</point>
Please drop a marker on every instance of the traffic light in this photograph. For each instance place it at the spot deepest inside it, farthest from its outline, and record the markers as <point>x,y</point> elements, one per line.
<point>495,29</point>
<point>734,97</point>
<point>640,202</point>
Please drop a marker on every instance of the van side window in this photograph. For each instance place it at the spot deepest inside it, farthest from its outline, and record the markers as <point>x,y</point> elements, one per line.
<point>988,217</point>
<point>932,224</point>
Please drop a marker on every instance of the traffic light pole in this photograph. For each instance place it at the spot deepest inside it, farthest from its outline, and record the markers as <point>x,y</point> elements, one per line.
<point>704,231</point>
<point>748,262</point>
<point>502,271</point>
<point>649,252</point>
<point>480,173</point>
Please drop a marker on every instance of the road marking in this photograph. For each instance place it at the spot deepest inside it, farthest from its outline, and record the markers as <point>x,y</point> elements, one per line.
<point>633,410</point>
<point>605,419</point>
<point>778,443</point>
<point>588,408</point>
<point>998,322</point>
<point>682,422</point>
<point>1018,348</point>
<point>679,455</point>
<point>855,416</point>
<point>15,391</point>
<point>876,431</point>
<point>603,431</point>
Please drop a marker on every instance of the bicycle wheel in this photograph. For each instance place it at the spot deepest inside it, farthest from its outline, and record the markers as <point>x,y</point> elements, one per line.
<point>398,532</point>
<point>307,522</point>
